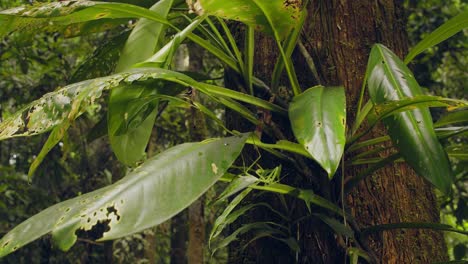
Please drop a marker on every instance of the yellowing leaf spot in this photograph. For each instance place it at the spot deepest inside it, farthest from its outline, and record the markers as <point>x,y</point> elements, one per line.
<point>214,168</point>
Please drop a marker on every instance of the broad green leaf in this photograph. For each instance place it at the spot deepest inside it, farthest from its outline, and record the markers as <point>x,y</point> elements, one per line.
<point>130,121</point>
<point>453,117</point>
<point>448,29</point>
<point>274,15</point>
<point>70,16</point>
<point>143,41</point>
<point>152,193</point>
<point>318,120</point>
<point>412,131</point>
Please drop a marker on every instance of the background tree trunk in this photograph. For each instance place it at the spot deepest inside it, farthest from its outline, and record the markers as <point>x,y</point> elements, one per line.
<point>338,35</point>
<point>198,132</point>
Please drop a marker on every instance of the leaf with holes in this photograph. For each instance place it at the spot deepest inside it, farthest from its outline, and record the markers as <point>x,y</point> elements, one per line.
<point>71,17</point>
<point>412,131</point>
<point>318,119</point>
<point>270,16</point>
<point>154,192</point>
<point>130,118</point>
<point>71,101</point>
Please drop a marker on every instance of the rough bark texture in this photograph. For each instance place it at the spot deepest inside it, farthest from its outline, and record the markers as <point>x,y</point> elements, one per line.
<point>339,38</point>
<point>339,35</point>
<point>198,132</point>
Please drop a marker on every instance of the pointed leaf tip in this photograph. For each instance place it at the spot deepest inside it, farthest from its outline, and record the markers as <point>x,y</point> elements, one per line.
<point>318,120</point>
<point>412,131</point>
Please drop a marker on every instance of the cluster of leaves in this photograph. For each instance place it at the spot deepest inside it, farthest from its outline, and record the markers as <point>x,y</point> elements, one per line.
<point>165,184</point>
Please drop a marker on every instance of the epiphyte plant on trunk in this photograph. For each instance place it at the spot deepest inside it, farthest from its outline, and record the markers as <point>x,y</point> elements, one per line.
<point>163,185</point>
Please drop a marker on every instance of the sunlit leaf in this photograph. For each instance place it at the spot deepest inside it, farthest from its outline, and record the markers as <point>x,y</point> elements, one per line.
<point>318,120</point>
<point>71,17</point>
<point>448,29</point>
<point>152,193</point>
<point>274,15</point>
<point>412,131</point>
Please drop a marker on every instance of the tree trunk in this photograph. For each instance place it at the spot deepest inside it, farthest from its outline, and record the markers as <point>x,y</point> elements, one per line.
<point>338,36</point>
<point>198,132</point>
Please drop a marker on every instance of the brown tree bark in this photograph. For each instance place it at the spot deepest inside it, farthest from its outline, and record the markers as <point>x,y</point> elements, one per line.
<point>338,36</point>
<point>198,132</point>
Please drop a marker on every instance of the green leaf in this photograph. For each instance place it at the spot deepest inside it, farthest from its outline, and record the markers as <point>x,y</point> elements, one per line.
<point>71,101</point>
<point>143,42</point>
<point>54,138</point>
<point>237,184</point>
<point>103,60</point>
<point>459,152</point>
<point>130,121</point>
<point>412,131</point>
<point>448,29</point>
<point>410,225</point>
<point>70,16</point>
<point>152,193</point>
<point>269,16</point>
<point>129,125</point>
<point>163,57</point>
<point>388,108</point>
<point>318,120</point>
<point>338,227</point>
<point>222,221</point>
<point>455,117</point>
<point>259,226</point>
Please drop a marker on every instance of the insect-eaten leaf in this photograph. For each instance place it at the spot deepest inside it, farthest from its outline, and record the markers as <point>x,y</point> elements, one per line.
<point>269,16</point>
<point>71,101</point>
<point>318,120</point>
<point>154,192</point>
<point>72,18</point>
<point>411,131</point>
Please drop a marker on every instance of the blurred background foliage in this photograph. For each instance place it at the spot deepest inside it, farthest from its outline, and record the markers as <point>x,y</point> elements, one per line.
<point>83,161</point>
<point>442,70</point>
